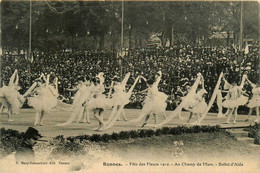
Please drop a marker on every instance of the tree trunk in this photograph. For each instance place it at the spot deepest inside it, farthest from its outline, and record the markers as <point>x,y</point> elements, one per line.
<point>228,38</point>
<point>130,39</point>
<point>140,41</point>
<point>101,41</point>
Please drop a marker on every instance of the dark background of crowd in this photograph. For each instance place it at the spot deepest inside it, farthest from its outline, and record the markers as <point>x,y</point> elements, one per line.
<point>179,66</point>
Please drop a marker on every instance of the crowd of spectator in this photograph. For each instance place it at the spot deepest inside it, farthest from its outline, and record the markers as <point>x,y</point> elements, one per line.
<point>179,66</point>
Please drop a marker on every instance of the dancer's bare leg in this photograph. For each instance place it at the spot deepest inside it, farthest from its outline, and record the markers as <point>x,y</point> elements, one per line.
<point>1,109</point>
<point>257,114</point>
<point>155,118</point>
<point>9,112</point>
<point>80,114</point>
<point>86,116</point>
<point>118,112</point>
<point>249,114</point>
<point>228,109</point>
<point>41,117</point>
<point>198,115</point>
<point>37,118</point>
<point>235,112</point>
<point>230,112</point>
<point>123,113</point>
<point>164,115</point>
<point>146,119</point>
<point>99,117</point>
<point>220,114</point>
<point>191,114</point>
<point>143,114</point>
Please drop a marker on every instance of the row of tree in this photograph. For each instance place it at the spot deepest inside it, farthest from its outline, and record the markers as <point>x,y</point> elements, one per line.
<point>97,25</point>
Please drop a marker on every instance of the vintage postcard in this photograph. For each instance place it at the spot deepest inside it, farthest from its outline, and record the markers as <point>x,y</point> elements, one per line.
<point>129,86</point>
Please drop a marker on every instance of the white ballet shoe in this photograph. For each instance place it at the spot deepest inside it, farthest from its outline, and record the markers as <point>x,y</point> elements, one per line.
<point>10,120</point>
<point>256,121</point>
<point>234,122</point>
<point>36,124</point>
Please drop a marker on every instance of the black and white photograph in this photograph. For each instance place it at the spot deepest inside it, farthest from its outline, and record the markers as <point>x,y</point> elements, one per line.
<point>129,86</point>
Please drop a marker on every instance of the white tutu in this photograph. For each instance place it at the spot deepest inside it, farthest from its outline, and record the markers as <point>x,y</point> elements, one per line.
<point>100,102</point>
<point>242,100</point>
<point>155,104</point>
<point>200,107</point>
<point>82,95</point>
<point>121,98</point>
<point>254,102</point>
<point>63,106</point>
<point>190,102</point>
<point>2,91</point>
<point>44,101</point>
<point>13,97</point>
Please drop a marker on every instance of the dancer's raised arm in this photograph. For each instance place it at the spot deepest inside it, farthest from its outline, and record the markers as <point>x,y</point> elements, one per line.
<point>110,89</point>
<point>123,83</point>
<point>132,87</point>
<point>17,79</point>
<point>226,85</point>
<point>243,81</point>
<point>251,83</point>
<point>156,83</point>
<point>11,81</point>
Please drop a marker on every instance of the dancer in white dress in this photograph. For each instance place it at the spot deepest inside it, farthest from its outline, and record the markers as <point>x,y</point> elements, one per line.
<point>196,103</point>
<point>254,102</point>
<point>120,99</point>
<point>78,101</point>
<point>234,99</point>
<point>98,102</point>
<point>155,102</point>
<point>43,99</point>
<point>10,97</point>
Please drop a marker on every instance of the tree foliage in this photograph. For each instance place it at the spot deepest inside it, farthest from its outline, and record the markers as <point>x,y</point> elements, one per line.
<point>58,25</point>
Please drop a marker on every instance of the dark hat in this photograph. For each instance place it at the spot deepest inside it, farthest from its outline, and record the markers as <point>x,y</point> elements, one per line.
<point>32,133</point>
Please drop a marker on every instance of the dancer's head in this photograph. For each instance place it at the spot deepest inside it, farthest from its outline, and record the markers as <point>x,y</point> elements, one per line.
<point>158,74</point>
<point>80,80</point>
<point>188,87</point>
<point>234,83</point>
<point>116,79</point>
<point>150,82</point>
<point>202,92</point>
<point>17,87</point>
<point>94,80</point>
